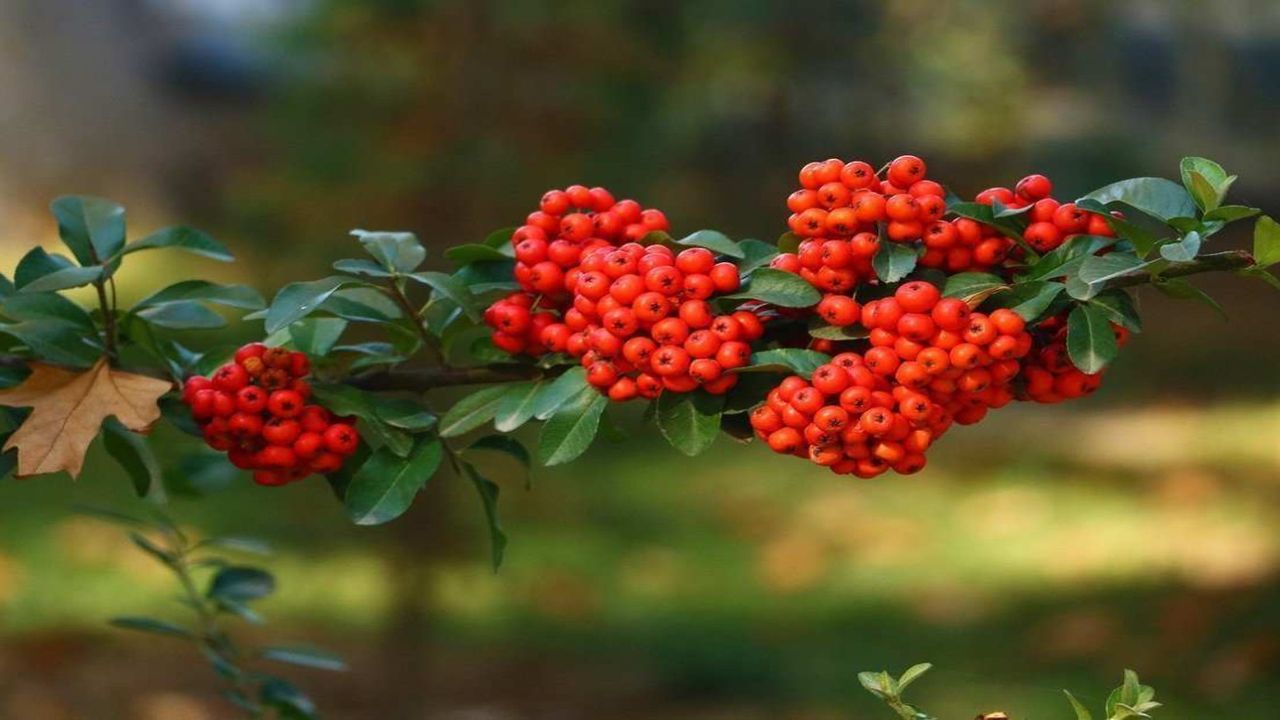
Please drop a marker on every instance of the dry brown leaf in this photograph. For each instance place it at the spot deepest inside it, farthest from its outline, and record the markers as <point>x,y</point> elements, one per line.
<point>67,410</point>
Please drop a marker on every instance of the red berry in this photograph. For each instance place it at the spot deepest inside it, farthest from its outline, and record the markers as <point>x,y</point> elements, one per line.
<point>341,439</point>
<point>285,403</point>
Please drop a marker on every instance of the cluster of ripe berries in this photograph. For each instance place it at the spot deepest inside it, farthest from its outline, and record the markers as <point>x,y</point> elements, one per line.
<point>255,409</point>
<point>840,208</point>
<point>932,362</point>
<point>636,316</point>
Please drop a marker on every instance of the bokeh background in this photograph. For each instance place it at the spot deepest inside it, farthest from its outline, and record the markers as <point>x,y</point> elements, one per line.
<point>1049,547</point>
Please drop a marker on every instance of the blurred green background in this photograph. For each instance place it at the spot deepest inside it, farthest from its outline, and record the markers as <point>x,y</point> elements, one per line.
<point>1049,547</point>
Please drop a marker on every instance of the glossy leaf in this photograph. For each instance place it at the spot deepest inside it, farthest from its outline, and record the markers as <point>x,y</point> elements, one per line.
<point>570,430</point>
<point>689,421</point>
<point>797,360</point>
<point>93,228</point>
<point>181,315</point>
<point>1082,713</point>
<point>1206,181</point>
<point>405,414</point>
<point>64,279</point>
<point>894,261</point>
<point>755,254</point>
<point>317,336</point>
<point>1118,306</point>
<point>970,286</point>
<point>182,238</point>
<point>1097,270</point>
<point>304,657</point>
<point>241,584</point>
<point>451,288</point>
<point>1266,242</point>
<point>516,406</point>
<point>504,444</point>
<point>396,251</point>
<point>1157,197</point>
<point>1184,250</point>
<point>298,300</point>
<point>57,342</point>
<point>465,254</point>
<point>1091,344</point>
<point>36,264</point>
<point>555,394</point>
<point>363,267</point>
<point>779,288</point>
<point>1231,213</point>
<point>489,492</point>
<point>151,625</point>
<point>386,484</point>
<point>715,241</point>
<point>48,307</point>
<point>1066,259</point>
<point>1182,290</point>
<point>235,296</point>
<point>472,411</point>
<point>134,455</point>
<point>287,700</point>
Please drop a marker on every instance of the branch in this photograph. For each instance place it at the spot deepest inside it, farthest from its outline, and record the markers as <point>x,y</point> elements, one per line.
<point>423,379</point>
<point>1228,261</point>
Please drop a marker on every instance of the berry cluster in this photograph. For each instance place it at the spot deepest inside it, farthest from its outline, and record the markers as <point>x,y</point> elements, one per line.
<point>636,316</point>
<point>548,248</point>
<point>1048,375</point>
<point>932,362</point>
<point>1049,222</point>
<point>255,410</point>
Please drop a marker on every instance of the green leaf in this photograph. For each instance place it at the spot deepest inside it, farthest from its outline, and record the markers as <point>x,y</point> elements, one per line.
<point>182,238</point>
<point>788,242</point>
<point>36,264</point>
<point>563,389</point>
<point>362,304</point>
<point>1082,713</point>
<point>569,432</point>
<point>1097,270</point>
<point>181,315</point>
<point>516,406</point>
<point>46,306</point>
<point>1260,274</point>
<point>405,414</point>
<point>317,336</point>
<point>465,254</point>
<point>472,411</point>
<point>504,444</point>
<point>241,584</point>
<point>234,296</point>
<point>361,266</point>
<point>1206,181</point>
<point>1266,242</point>
<point>6,286</point>
<point>452,288</point>
<point>482,277</point>
<point>499,237</point>
<point>384,487</point>
<point>397,251</point>
<point>1231,213</point>
<point>778,287</point>
<point>134,455</point>
<point>56,342</point>
<point>1157,197</point>
<point>714,241</point>
<point>1183,290</point>
<point>823,331</point>
<point>1030,300</point>
<point>873,684</point>
<point>971,286</point>
<point>489,492</point>
<point>689,421</point>
<point>1184,250</point>
<point>1091,344</point>
<point>298,300</point>
<point>894,261</point>
<point>304,657</point>
<point>151,625</point>
<point>1118,306</point>
<point>93,228</point>
<point>287,700</point>
<point>1131,688</point>
<point>1066,259</point>
<point>64,279</point>
<point>912,674</point>
<point>797,360</point>
<point>755,254</point>
<point>1142,239</point>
